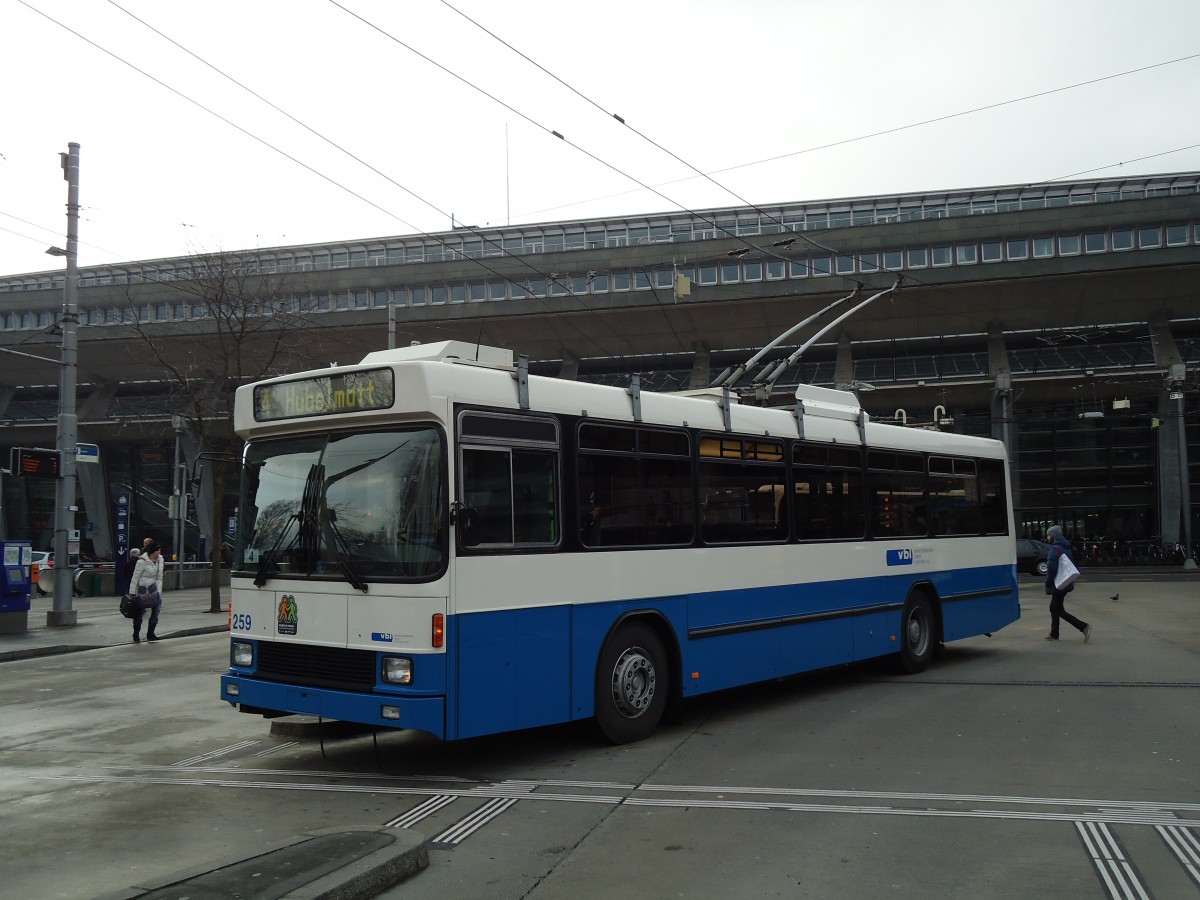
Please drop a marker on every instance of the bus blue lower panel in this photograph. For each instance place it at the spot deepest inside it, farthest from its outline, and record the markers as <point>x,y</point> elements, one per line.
<point>420,713</point>
<point>514,670</point>
<point>972,616</point>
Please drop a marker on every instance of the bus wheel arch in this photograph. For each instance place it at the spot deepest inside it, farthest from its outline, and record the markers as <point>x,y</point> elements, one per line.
<point>635,678</point>
<point>920,630</point>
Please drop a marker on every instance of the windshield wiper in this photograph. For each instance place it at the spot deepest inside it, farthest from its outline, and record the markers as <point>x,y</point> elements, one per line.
<point>342,548</point>
<point>311,518</point>
<point>314,514</point>
<point>307,531</point>
<point>264,562</point>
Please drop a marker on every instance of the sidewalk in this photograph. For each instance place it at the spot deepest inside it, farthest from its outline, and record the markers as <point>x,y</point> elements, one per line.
<point>100,624</point>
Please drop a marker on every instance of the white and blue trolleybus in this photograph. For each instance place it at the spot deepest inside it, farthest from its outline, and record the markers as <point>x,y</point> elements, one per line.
<point>436,540</point>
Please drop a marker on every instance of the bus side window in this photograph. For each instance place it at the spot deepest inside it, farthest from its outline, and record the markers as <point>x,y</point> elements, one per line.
<point>487,496</point>
<point>534,497</point>
<point>808,511</point>
<point>509,497</point>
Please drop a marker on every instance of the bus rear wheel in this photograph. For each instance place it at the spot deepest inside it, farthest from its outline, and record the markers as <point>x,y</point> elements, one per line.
<point>632,684</point>
<point>917,641</point>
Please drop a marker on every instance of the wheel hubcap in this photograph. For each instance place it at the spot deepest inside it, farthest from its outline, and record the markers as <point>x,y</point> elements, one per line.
<point>633,682</point>
<point>916,633</point>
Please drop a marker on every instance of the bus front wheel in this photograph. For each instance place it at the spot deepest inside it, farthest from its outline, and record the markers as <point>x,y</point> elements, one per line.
<point>916,635</point>
<point>632,684</point>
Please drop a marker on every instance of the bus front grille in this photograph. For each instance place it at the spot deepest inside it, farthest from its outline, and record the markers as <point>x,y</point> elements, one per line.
<point>327,667</point>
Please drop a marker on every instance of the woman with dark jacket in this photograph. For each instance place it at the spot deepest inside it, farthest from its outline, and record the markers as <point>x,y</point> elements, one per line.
<point>1060,547</point>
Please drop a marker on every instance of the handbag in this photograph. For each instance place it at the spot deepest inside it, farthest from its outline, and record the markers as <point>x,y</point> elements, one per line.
<point>128,607</point>
<point>148,596</point>
<point>1066,574</point>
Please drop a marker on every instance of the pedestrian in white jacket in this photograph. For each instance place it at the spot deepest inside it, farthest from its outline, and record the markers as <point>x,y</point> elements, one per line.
<point>146,585</point>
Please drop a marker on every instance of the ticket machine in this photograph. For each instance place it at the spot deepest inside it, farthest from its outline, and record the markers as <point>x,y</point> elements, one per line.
<point>16,583</point>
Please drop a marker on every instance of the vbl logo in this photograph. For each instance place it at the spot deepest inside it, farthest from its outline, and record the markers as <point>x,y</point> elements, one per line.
<point>900,557</point>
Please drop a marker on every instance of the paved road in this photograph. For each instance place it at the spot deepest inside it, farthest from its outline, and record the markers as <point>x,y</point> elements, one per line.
<point>1013,768</point>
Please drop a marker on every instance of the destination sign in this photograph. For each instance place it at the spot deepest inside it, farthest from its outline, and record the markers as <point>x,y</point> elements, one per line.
<point>325,395</point>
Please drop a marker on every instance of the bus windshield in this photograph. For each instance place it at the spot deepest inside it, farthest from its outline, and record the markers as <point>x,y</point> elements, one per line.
<point>353,506</point>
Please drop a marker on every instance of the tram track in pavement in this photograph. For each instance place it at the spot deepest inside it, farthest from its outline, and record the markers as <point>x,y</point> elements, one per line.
<point>452,809</point>
<point>730,797</point>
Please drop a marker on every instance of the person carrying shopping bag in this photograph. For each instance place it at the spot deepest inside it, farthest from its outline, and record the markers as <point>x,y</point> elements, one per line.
<point>146,586</point>
<point>1060,547</point>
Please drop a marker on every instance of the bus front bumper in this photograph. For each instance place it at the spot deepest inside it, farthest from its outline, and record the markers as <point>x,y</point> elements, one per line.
<point>377,710</point>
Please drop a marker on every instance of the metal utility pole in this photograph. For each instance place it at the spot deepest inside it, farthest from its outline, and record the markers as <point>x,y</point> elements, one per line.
<point>179,500</point>
<point>64,508</point>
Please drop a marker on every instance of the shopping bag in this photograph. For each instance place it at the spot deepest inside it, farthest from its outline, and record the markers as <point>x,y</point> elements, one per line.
<point>1067,573</point>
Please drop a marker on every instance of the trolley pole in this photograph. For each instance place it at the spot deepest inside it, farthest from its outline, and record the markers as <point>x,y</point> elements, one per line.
<point>64,513</point>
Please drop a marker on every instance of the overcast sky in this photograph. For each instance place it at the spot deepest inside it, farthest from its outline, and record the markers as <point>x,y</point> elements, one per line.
<point>177,159</point>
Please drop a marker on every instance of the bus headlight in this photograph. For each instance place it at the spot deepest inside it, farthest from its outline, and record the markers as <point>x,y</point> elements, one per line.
<point>397,670</point>
<point>242,653</point>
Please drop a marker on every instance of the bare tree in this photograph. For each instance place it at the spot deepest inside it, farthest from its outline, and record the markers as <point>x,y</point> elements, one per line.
<point>240,325</point>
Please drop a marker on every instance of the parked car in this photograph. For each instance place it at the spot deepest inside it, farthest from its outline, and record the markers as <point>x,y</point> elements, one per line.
<point>1031,556</point>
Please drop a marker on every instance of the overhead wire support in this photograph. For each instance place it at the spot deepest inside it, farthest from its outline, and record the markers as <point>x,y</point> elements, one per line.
<point>733,374</point>
<point>771,373</point>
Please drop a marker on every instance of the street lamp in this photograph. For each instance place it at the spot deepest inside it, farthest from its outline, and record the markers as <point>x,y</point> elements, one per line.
<point>61,612</point>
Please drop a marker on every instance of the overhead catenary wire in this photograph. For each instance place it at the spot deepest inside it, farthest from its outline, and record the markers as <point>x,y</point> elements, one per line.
<point>499,275</point>
<point>569,291</point>
<point>727,379</point>
<point>824,247</point>
<point>620,119</point>
<point>770,253</point>
<point>717,226</point>
<point>263,141</point>
<point>930,121</point>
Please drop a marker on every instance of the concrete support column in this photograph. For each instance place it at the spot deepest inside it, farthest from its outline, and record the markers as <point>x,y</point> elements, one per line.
<point>701,369</point>
<point>202,495</point>
<point>1003,425</point>
<point>1174,502</point>
<point>1170,467</point>
<point>843,367</point>
<point>93,483</point>
<point>93,488</point>
<point>570,366</point>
